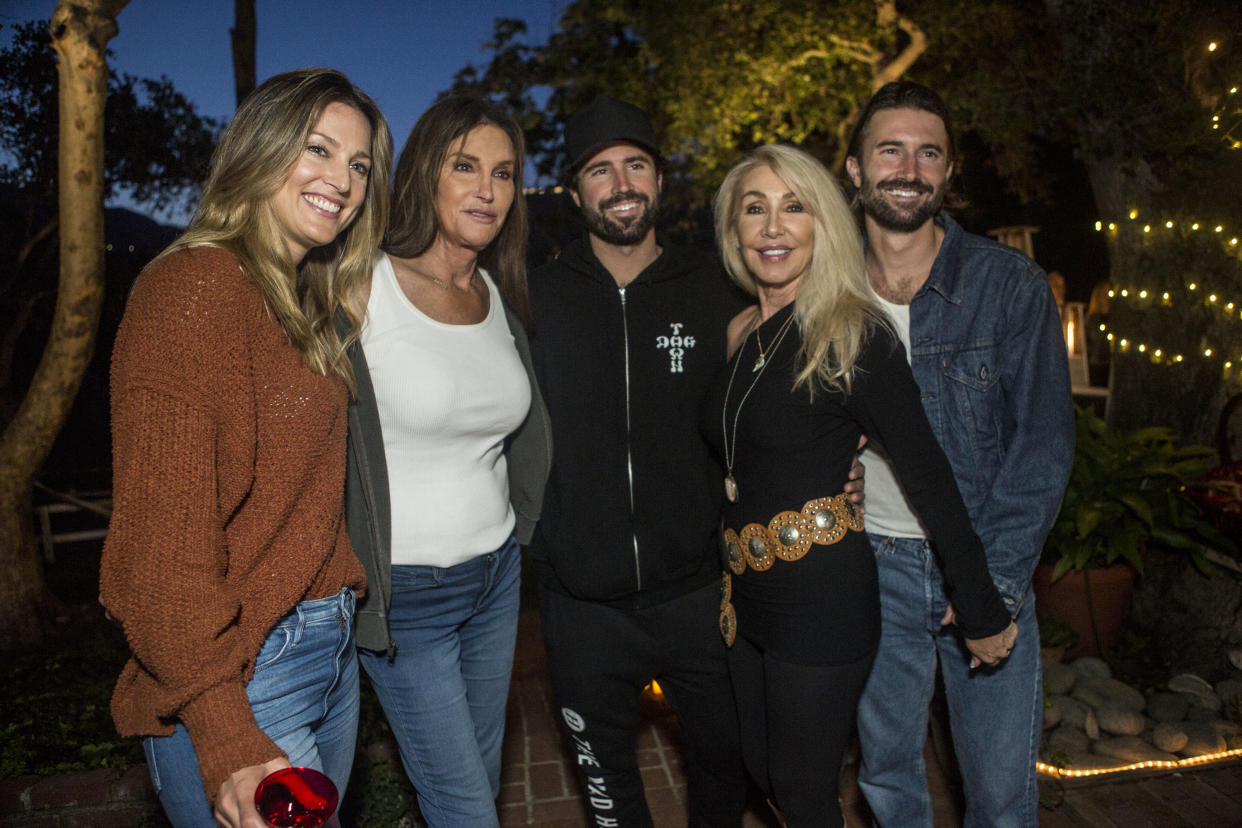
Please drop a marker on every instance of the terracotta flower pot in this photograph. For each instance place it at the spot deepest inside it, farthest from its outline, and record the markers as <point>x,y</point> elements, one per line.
<point>1065,600</point>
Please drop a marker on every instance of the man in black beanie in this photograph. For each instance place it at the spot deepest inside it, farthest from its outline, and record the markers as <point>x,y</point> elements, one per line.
<point>629,333</point>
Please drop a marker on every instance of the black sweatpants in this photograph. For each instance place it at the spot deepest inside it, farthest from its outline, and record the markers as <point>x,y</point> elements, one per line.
<point>601,657</point>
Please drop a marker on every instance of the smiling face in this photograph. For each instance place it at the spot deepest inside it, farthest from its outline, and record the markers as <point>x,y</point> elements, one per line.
<point>774,230</point>
<point>327,184</point>
<point>902,171</point>
<point>476,188</point>
<point>618,190</point>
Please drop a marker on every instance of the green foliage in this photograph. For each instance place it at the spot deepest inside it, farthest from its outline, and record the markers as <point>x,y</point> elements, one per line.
<point>58,698</point>
<point>1057,634</point>
<point>1129,84</point>
<point>718,77</point>
<point>1127,495</point>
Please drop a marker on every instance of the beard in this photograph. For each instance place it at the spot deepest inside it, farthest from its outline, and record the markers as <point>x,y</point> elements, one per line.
<point>894,218</point>
<point>626,231</point>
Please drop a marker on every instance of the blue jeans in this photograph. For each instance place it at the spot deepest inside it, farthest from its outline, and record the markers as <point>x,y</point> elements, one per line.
<point>996,714</point>
<point>445,691</point>
<point>304,695</point>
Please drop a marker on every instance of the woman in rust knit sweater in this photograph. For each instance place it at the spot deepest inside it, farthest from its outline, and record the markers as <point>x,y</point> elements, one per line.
<point>228,562</point>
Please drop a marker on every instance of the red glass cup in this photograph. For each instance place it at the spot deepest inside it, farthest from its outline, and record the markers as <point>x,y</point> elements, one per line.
<point>296,797</point>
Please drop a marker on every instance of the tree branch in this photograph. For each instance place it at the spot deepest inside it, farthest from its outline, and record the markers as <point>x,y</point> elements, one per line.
<point>898,65</point>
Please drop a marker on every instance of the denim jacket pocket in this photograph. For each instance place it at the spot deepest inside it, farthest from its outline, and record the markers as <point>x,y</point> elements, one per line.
<point>974,366</point>
<point>972,391</point>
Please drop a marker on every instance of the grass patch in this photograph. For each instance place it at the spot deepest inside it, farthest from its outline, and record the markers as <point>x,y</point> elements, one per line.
<point>57,695</point>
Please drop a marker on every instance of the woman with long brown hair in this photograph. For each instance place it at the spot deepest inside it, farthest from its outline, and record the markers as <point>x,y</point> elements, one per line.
<point>227,561</point>
<point>450,450</point>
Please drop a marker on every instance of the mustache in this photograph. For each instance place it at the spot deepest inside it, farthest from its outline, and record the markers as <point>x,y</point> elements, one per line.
<point>916,184</point>
<point>628,195</point>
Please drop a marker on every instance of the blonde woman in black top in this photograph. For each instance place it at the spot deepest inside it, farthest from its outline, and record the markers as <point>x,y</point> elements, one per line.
<point>812,366</point>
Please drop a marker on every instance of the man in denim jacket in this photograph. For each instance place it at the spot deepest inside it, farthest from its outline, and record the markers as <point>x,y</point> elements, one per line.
<point>983,336</point>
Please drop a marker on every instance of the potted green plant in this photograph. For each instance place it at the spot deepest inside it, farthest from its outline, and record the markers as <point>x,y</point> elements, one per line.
<point>1127,497</point>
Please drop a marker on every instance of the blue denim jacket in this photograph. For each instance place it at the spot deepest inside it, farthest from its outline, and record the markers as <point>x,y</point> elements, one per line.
<point>987,352</point>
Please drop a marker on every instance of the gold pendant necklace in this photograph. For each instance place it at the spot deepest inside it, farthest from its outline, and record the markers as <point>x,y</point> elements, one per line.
<point>445,285</point>
<point>762,359</point>
<point>730,444</point>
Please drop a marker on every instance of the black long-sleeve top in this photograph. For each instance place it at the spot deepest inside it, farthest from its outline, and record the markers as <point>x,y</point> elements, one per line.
<point>791,448</point>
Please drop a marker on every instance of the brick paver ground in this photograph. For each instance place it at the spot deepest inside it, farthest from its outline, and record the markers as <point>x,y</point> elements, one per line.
<point>539,789</point>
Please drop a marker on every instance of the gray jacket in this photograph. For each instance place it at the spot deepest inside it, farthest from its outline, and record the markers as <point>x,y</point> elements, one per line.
<point>368,513</point>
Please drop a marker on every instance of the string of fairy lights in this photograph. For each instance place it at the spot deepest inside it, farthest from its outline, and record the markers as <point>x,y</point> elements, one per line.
<point>1228,119</point>
<point>1229,307</point>
<point>1151,764</point>
<point>1229,115</point>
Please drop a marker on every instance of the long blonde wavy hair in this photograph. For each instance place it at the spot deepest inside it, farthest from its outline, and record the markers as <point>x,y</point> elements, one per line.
<point>834,309</point>
<point>253,160</point>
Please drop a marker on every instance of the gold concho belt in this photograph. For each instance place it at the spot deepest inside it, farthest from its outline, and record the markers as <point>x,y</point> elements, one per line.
<point>787,536</point>
<point>790,535</point>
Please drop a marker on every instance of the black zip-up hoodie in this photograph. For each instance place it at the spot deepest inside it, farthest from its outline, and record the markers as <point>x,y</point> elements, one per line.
<point>633,502</point>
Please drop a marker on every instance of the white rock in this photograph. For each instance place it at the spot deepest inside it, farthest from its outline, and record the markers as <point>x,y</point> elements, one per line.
<point>1211,703</point>
<point>1092,667</point>
<point>1066,740</point>
<point>1059,679</point>
<point>1119,720</point>
<point>1087,693</point>
<point>1190,683</point>
<point>1131,749</point>
<point>1073,712</point>
<point>1229,691</point>
<point>1119,693</point>
<point>1169,737</point>
<point>1226,728</point>
<point>1168,707</point>
<point>1202,738</point>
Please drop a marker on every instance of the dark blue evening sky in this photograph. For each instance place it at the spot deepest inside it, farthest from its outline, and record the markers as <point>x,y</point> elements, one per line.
<point>402,52</point>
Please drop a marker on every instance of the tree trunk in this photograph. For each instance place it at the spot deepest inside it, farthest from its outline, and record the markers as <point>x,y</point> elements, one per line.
<point>243,37</point>
<point>1189,620</point>
<point>81,30</point>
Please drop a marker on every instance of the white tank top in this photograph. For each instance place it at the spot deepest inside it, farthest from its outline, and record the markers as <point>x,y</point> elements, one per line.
<point>888,512</point>
<point>448,396</point>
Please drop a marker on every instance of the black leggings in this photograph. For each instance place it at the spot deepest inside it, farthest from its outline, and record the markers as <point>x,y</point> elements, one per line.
<point>795,721</point>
